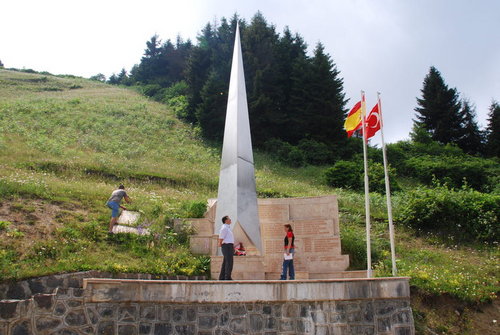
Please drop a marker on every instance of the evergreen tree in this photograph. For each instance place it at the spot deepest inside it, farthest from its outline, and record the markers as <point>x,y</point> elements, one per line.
<point>493,131</point>
<point>122,77</point>
<point>293,78</point>
<point>259,52</point>
<point>471,141</point>
<point>146,69</point>
<point>325,118</point>
<point>210,113</point>
<point>98,77</point>
<point>113,79</point>
<point>439,110</point>
<point>198,67</point>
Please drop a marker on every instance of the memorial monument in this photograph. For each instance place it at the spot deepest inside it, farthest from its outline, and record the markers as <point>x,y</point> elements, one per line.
<point>259,223</point>
<point>237,196</point>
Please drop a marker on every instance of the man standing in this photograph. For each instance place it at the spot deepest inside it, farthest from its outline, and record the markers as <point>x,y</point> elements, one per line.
<point>226,242</point>
<point>114,204</point>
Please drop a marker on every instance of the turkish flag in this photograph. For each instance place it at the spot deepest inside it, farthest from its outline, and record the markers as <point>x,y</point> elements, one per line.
<point>372,122</point>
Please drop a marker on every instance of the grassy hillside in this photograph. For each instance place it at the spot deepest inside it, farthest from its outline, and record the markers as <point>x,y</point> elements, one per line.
<point>65,144</point>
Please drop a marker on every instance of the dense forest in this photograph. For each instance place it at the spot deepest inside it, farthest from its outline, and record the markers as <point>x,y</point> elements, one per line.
<point>288,88</point>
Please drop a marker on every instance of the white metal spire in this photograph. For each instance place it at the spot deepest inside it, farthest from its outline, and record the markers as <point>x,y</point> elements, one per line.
<point>237,196</point>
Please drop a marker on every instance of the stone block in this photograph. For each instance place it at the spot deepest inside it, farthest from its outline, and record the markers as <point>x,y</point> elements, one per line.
<point>148,313</point>
<point>46,325</point>
<point>107,311</point>
<point>287,325</point>
<point>8,309</point>
<point>404,331</point>
<point>362,330</point>
<point>18,290</point>
<point>178,314</point>
<point>21,327</point>
<point>127,330</point>
<point>106,328</point>
<point>256,322</point>
<point>238,325</point>
<point>271,323</point>
<point>224,318</point>
<point>163,328</point>
<point>185,329</point>
<point>200,245</point>
<point>207,321</point>
<point>145,328</point>
<point>127,313</point>
<point>76,318</point>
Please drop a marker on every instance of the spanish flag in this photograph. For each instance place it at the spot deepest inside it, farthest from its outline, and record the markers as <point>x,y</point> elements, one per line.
<point>353,120</point>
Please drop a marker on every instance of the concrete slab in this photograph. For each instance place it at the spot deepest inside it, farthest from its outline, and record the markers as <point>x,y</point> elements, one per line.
<point>117,229</point>
<point>128,218</point>
<point>159,291</point>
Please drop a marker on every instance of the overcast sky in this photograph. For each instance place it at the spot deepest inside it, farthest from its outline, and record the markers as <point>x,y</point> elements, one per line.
<point>384,45</point>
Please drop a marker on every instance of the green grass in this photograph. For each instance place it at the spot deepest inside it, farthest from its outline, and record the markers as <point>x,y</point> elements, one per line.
<point>66,143</point>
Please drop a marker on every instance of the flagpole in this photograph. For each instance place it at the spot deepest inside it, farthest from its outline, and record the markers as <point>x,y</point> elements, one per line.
<point>367,192</point>
<point>387,190</point>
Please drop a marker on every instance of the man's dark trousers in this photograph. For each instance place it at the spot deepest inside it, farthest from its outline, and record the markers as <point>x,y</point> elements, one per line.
<point>227,263</point>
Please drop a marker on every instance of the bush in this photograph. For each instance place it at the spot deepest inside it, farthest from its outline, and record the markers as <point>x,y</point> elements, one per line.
<point>345,174</point>
<point>463,214</point>
<point>454,171</point>
<point>315,153</point>
<point>376,177</point>
<point>193,209</point>
<point>285,152</point>
<point>353,242</point>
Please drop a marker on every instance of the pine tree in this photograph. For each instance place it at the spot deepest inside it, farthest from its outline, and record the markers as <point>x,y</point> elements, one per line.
<point>259,43</point>
<point>122,77</point>
<point>327,112</point>
<point>198,67</point>
<point>113,79</point>
<point>493,131</point>
<point>98,77</point>
<point>439,109</point>
<point>211,112</point>
<point>471,141</point>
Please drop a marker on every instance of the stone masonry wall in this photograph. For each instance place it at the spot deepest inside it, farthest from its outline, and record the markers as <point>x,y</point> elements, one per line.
<point>66,313</point>
<point>25,289</point>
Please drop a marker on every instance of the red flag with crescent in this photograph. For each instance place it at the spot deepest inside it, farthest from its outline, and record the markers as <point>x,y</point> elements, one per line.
<point>372,122</point>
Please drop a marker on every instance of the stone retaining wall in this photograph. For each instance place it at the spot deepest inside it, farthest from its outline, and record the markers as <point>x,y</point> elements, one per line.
<point>76,311</point>
<point>25,289</point>
<point>65,313</point>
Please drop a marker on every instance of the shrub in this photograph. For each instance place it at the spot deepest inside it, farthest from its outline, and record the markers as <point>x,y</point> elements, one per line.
<point>93,231</point>
<point>345,174</point>
<point>4,225</point>
<point>193,209</point>
<point>285,152</point>
<point>462,214</point>
<point>376,177</point>
<point>353,243</point>
<point>295,158</point>
<point>455,171</point>
<point>315,152</point>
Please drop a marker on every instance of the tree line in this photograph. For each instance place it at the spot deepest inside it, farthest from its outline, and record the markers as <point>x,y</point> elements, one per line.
<point>297,103</point>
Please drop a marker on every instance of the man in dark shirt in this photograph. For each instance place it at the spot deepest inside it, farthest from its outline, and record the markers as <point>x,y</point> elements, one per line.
<point>114,204</point>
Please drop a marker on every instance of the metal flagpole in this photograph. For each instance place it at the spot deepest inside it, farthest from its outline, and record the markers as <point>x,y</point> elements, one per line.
<point>387,190</point>
<point>367,192</point>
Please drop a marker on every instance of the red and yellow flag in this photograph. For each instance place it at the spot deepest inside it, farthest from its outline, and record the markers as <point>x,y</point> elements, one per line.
<point>353,120</point>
